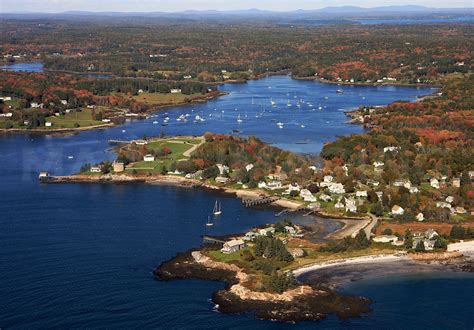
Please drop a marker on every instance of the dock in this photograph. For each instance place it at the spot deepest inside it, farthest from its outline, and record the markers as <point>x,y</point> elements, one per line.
<point>212,240</point>
<point>118,142</point>
<point>259,201</point>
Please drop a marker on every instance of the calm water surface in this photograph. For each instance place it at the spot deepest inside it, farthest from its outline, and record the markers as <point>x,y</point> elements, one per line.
<point>82,255</point>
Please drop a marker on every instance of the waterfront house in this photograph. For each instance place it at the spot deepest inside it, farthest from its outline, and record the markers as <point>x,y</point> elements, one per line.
<point>307,195</point>
<point>233,246</point>
<point>293,187</point>
<point>222,179</point>
<point>339,204</point>
<point>175,90</point>
<point>118,167</point>
<point>44,176</point>
<point>266,231</point>
<point>314,206</point>
<point>222,169</point>
<point>149,158</point>
<point>250,236</point>
<point>95,169</point>
<point>48,124</point>
<point>274,185</point>
<point>397,210</point>
<point>140,142</point>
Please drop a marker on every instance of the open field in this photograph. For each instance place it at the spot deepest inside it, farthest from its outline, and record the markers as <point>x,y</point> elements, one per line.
<point>73,119</point>
<point>163,98</point>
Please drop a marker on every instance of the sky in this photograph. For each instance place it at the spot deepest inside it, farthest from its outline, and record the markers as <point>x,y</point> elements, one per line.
<point>179,5</point>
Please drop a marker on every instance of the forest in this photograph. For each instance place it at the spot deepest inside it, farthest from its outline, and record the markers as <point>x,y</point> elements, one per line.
<point>211,52</point>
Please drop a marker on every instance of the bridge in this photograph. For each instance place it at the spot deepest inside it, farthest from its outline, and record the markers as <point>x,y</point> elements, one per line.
<point>259,201</point>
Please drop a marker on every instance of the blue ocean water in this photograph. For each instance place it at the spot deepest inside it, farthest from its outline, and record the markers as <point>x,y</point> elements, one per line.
<point>81,256</point>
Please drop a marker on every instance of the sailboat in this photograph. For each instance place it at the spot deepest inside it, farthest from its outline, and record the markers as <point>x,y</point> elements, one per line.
<point>209,223</point>
<point>238,119</point>
<point>217,209</point>
<point>272,102</point>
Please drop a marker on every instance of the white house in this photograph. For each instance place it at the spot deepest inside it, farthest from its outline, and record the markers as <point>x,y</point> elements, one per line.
<point>265,231</point>
<point>397,210</point>
<point>293,187</point>
<point>339,204</point>
<point>233,246</point>
<point>443,205</point>
<point>390,149</point>
<point>434,183</point>
<point>420,217</point>
<point>328,178</point>
<point>248,167</point>
<point>262,185</point>
<point>175,90</point>
<point>361,193</point>
<point>95,169</point>
<point>48,124</point>
<point>222,179</point>
<point>6,98</point>
<point>449,199</point>
<point>307,195</point>
<point>336,188</point>
<point>149,158</point>
<point>378,165</point>
<point>350,205</point>
<point>222,168</point>
<point>274,185</point>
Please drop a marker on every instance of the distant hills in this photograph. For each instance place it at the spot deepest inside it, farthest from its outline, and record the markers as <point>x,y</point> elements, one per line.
<point>340,10</point>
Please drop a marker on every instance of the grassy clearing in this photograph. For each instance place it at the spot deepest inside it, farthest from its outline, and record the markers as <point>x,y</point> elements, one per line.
<point>71,120</point>
<point>177,146</point>
<point>163,98</point>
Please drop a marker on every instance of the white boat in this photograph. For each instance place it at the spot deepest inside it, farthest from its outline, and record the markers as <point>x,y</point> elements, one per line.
<point>209,223</point>
<point>238,119</point>
<point>280,125</point>
<point>272,102</point>
<point>302,126</point>
<point>339,91</point>
<point>70,157</point>
<point>217,209</point>
<point>155,122</point>
<point>320,108</point>
<point>288,104</point>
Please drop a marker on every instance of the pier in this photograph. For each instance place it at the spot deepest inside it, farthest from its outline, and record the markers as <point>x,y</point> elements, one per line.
<point>259,201</point>
<point>118,142</point>
<point>212,240</point>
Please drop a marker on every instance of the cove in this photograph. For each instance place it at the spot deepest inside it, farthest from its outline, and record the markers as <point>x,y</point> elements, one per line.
<point>82,255</point>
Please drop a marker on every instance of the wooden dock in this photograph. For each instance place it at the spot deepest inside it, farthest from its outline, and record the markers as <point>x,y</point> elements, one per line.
<point>259,201</point>
<point>212,240</point>
<point>118,142</point>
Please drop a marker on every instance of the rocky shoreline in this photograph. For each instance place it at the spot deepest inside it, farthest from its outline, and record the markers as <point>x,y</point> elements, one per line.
<point>305,302</point>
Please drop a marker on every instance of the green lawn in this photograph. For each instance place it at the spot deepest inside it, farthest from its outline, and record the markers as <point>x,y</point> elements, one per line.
<point>69,120</point>
<point>163,98</point>
<point>177,150</point>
